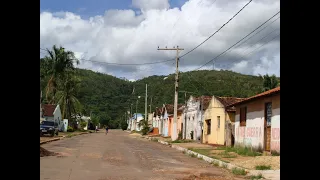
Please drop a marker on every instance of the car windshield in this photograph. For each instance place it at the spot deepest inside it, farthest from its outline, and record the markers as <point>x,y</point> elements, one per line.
<point>47,123</point>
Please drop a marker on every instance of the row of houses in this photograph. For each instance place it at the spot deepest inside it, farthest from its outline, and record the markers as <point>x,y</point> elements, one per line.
<point>252,122</point>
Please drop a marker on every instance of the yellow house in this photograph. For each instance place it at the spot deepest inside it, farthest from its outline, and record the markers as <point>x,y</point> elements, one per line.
<point>217,118</point>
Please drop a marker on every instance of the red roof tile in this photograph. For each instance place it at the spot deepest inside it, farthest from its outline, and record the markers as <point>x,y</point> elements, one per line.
<point>264,94</point>
<point>170,108</point>
<point>48,109</point>
<point>226,101</point>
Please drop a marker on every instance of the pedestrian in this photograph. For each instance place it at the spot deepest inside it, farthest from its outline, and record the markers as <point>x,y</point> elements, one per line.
<point>96,128</point>
<point>107,128</point>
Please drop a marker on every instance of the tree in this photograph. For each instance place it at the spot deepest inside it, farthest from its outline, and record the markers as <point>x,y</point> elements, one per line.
<point>95,120</point>
<point>124,125</point>
<point>145,126</point>
<point>269,82</point>
<point>67,95</point>
<point>57,62</point>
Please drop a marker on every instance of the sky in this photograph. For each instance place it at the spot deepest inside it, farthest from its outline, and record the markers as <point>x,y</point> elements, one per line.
<point>109,35</point>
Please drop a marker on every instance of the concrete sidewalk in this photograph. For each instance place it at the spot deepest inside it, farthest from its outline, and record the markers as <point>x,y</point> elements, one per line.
<point>268,174</point>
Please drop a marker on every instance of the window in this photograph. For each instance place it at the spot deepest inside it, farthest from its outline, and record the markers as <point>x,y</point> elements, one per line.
<point>218,121</point>
<point>208,122</point>
<point>243,116</point>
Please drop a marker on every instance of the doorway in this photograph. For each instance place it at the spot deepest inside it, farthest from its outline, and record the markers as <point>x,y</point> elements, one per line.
<point>267,125</point>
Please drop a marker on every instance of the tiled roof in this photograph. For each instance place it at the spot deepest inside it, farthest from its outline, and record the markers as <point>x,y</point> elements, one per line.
<point>157,112</point>
<point>226,101</point>
<point>170,108</point>
<point>264,94</point>
<point>48,109</point>
<point>206,101</point>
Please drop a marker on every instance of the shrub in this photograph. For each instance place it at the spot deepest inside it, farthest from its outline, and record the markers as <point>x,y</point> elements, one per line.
<point>180,135</point>
<point>70,129</point>
<point>124,125</point>
<point>238,171</point>
<point>263,167</point>
<point>83,124</point>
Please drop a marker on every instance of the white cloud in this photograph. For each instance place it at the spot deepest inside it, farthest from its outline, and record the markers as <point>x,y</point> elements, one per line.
<point>128,37</point>
<point>150,4</point>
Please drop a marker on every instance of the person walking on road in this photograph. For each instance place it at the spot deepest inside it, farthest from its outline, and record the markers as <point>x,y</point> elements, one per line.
<point>107,128</point>
<point>96,128</point>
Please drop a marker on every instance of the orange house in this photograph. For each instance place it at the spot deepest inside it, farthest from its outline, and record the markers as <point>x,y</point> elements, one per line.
<point>170,112</point>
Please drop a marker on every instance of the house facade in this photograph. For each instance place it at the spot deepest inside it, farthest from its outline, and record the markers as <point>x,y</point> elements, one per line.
<point>192,119</point>
<point>257,121</point>
<point>135,122</point>
<point>52,112</point>
<point>150,119</point>
<point>217,117</point>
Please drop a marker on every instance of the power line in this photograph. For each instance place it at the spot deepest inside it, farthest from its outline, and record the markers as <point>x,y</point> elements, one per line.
<point>157,62</point>
<point>258,32</point>
<point>217,30</point>
<point>236,42</point>
<point>261,39</point>
<point>261,45</point>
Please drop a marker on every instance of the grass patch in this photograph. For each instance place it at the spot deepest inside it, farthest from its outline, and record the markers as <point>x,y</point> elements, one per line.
<point>263,167</point>
<point>154,139</point>
<point>254,177</point>
<point>226,154</point>
<point>206,152</point>
<point>275,153</point>
<point>244,151</point>
<point>238,171</point>
<point>224,165</point>
<point>215,163</point>
<point>134,131</point>
<point>192,155</point>
<point>70,135</point>
<point>181,141</point>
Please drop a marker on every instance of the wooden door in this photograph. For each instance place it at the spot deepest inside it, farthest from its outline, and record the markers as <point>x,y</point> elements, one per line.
<point>181,131</point>
<point>267,125</point>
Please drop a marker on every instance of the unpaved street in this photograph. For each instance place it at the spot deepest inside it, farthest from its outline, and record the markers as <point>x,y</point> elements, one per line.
<point>118,156</point>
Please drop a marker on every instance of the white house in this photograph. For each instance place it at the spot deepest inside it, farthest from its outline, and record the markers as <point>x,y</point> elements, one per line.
<point>158,119</point>
<point>52,112</point>
<point>191,118</point>
<point>135,123</point>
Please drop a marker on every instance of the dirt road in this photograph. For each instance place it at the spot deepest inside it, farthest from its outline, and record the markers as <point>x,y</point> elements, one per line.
<point>117,156</point>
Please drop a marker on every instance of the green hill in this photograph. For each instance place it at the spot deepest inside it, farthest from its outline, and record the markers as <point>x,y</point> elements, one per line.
<point>109,97</point>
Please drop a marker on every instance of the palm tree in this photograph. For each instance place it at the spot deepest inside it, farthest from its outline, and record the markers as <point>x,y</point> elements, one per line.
<point>58,61</point>
<point>66,95</point>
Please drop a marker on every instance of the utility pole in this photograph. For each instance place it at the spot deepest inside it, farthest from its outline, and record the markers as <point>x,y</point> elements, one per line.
<point>130,117</point>
<point>201,122</point>
<point>136,117</point>
<point>146,104</point>
<point>174,134</point>
<point>150,104</point>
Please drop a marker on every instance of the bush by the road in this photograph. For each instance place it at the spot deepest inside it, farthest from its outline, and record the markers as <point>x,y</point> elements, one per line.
<point>70,129</point>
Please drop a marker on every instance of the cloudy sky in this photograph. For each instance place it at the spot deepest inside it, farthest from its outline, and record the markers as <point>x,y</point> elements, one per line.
<point>105,34</point>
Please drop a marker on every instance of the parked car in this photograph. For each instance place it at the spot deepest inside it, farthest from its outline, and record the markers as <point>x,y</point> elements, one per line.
<point>49,127</point>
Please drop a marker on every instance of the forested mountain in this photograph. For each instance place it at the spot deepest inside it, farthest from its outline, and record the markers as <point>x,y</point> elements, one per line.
<point>110,96</point>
